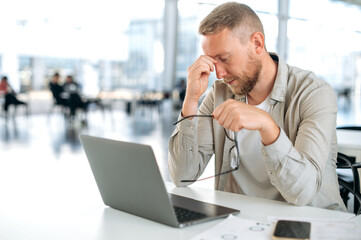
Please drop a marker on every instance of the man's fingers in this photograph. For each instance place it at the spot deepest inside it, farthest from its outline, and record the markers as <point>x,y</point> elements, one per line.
<point>208,61</point>
<point>226,115</point>
<point>220,113</point>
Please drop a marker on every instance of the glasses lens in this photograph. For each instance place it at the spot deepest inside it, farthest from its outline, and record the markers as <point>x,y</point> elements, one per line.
<point>229,134</point>
<point>233,157</point>
<point>233,153</point>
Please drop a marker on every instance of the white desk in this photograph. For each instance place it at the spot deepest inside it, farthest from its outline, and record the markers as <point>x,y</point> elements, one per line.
<point>349,143</point>
<point>61,201</point>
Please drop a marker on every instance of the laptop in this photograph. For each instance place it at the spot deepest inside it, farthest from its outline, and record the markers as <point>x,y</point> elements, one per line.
<point>129,180</point>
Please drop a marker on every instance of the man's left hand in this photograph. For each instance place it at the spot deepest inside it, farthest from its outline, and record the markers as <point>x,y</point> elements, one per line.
<point>235,115</point>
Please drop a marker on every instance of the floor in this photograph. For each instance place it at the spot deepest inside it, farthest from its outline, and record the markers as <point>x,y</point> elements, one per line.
<point>51,137</point>
<point>42,141</point>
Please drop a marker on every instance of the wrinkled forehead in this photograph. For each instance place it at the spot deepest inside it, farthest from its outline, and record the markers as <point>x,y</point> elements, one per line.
<point>220,43</point>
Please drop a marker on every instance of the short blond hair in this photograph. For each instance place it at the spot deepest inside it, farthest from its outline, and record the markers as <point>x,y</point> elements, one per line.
<point>237,17</point>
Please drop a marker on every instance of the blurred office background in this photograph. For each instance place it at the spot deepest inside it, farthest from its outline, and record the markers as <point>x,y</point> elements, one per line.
<point>133,55</point>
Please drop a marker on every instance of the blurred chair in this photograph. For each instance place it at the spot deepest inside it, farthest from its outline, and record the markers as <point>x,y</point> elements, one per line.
<point>150,100</point>
<point>349,183</point>
<point>355,128</point>
<point>60,101</point>
<point>12,108</point>
<point>57,105</point>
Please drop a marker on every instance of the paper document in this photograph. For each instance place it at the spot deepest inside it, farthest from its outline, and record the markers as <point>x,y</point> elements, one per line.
<point>237,228</point>
<point>321,229</point>
<point>327,229</point>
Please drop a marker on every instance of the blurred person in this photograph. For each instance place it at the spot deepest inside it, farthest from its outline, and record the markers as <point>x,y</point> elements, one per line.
<point>182,89</point>
<point>58,91</point>
<point>271,126</point>
<point>75,100</point>
<point>70,86</point>
<point>9,94</point>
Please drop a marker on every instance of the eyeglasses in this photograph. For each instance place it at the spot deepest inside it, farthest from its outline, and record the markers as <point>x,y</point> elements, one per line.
<point>233,152</point>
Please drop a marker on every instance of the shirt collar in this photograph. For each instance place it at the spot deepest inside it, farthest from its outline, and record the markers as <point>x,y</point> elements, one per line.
<point>278,92</point>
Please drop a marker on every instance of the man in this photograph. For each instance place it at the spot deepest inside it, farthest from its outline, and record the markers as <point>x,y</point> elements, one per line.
<point>9,94</point>
<point>73,90</point>
<point>282,119</point>
<point>57,90</point>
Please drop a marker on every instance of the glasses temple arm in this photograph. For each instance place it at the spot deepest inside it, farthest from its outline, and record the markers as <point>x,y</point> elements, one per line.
<point>192,116</point>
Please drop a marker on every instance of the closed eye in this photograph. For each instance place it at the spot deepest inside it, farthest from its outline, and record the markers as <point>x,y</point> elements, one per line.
<point>223,59</point>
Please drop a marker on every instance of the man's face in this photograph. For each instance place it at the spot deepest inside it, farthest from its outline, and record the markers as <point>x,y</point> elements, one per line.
<point>236,64</point>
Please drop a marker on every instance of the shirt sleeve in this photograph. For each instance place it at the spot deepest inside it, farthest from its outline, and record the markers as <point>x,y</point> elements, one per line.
<point>191,145</point>
<point>296,169</point>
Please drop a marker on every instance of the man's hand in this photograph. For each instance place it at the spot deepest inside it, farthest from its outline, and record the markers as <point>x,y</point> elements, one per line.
<point>197,82</point>
<point>235,115</point>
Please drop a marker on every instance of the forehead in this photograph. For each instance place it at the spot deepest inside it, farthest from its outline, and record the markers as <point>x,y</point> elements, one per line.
<point>218,44</point>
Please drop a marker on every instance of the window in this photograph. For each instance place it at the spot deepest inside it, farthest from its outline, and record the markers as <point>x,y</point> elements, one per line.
<point>106,43</point>
<point>327,43</point>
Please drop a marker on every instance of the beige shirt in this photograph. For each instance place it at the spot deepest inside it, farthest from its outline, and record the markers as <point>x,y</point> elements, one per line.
<point>301,163</point>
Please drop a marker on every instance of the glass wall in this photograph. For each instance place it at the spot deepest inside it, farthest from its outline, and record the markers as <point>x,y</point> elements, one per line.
<point>142,68</point>
<point>104,44</point>
<point>325,38</point>
<point>108,44</point>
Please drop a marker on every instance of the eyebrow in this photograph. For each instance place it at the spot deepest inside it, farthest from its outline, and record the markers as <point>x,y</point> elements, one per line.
<point>222,55</point>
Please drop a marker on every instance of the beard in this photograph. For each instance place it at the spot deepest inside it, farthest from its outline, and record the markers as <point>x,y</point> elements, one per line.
<point>244,84</point>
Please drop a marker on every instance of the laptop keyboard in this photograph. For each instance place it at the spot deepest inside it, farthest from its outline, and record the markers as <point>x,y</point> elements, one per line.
<point>185,215</point>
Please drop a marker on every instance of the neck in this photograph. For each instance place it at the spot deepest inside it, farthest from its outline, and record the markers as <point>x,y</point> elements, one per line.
<point>266,81</point>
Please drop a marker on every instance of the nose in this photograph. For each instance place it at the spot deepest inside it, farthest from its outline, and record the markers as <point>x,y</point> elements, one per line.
<point>221,72</point>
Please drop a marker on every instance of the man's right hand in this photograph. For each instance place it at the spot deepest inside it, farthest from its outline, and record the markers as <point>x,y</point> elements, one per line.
<point>197,82</point>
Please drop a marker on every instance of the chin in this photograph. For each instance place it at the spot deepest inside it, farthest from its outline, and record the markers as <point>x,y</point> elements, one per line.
<point>234,90</point>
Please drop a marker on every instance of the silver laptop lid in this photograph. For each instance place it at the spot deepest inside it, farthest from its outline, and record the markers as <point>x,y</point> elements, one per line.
<point>119,169</point>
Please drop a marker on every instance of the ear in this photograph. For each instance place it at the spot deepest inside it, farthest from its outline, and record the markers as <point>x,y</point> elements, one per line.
<point>257,39</point>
